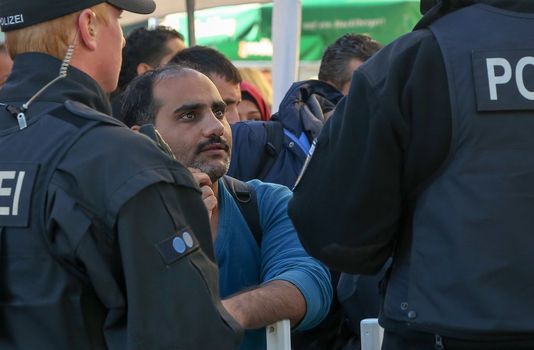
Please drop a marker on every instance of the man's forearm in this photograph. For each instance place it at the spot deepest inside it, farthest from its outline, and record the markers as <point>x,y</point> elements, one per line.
<point>272,302</point>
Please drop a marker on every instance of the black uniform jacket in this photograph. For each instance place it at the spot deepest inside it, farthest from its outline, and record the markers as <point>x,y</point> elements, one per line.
<point>377,153</point>
<point>129,261</point>
<point>386,138</point>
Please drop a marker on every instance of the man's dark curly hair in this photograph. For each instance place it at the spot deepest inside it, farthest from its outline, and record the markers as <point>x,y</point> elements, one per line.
<point>336,58</point>
<point>207,61</point>
<point>144,46</point>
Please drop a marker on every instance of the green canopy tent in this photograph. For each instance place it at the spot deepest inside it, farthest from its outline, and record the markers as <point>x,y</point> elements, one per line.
<point>243,33</point>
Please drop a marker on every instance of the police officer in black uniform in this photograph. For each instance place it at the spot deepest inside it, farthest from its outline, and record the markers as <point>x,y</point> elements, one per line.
<point>430,160</point>
<point>104,240</point>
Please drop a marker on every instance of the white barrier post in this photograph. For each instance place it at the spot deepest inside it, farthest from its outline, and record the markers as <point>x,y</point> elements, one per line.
<point>286,28</point>
<point>371,334</point>
<point>279,335</point>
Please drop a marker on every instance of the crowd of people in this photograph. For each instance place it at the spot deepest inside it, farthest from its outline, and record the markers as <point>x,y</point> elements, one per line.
<point>149,199</point>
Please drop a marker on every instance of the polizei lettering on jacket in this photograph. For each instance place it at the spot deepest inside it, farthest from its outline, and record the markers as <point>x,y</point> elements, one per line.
<point>16,186</point>
<point>12,191</point>
<point>11,20</point>
<point>504,80</point>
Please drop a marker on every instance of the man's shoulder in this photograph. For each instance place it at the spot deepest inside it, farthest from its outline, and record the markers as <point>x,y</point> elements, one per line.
<point>249,150</point>
<point>262,190</point>
<point>401,53</point>
<point>268,187</point>
<point>111,164</point>
<point>95,138</point>
<point>120,144</point>
<point>122,154</point>
<point>271,197</point>
<point>249,131</point>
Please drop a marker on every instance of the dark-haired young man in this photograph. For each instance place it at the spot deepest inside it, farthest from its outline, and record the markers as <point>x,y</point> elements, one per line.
<point>343,57</point>
<point>220,70</point>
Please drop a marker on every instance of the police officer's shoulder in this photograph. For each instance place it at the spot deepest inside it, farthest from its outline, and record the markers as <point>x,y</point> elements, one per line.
<point>115,140</point>
<point>125,148</point>
<point>81,110</point>
<point>398,56</point>
<point>111,164</point>
<point>113,151</point>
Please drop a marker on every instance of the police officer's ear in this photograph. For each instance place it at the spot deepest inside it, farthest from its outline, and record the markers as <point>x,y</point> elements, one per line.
<point>87,29</point>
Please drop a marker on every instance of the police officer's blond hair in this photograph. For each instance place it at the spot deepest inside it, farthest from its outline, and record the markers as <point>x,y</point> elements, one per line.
<point>50,37</point>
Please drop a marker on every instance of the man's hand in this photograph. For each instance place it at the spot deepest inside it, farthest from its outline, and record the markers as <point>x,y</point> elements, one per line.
<point>208,196</point>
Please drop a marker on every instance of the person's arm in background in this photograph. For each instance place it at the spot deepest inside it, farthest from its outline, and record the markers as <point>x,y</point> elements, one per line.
<point>296,286</point>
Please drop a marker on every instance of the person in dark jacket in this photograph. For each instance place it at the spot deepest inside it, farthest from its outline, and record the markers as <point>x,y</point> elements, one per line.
<point>104,239</point>
<point>428,160</point>
<point>275,151</point>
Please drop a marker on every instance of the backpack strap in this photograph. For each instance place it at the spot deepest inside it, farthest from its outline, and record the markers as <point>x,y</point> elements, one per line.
<point>275,140</point>
<point>245,197</point>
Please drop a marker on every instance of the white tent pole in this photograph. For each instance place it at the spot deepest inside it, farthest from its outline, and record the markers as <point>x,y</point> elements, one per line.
<point>287,18</point>
<point>190,6</point>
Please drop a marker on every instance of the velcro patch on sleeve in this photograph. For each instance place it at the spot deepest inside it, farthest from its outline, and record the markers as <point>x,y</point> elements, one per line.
<point>177,246</point>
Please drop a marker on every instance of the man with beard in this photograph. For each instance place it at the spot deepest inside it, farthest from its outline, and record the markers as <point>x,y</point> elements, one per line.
<point>261,282</point>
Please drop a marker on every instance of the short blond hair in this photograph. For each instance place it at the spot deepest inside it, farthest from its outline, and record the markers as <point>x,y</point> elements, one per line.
<point>51,37</point>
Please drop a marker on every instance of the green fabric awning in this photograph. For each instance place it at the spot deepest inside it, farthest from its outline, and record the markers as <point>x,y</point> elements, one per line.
<point>244,32</point>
